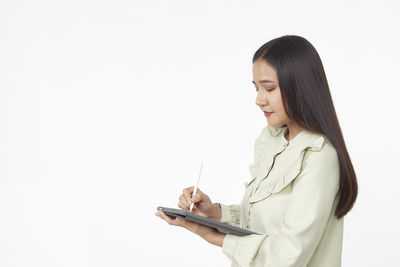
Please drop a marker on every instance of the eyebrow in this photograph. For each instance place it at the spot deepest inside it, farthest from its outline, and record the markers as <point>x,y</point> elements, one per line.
<point>264,81</point>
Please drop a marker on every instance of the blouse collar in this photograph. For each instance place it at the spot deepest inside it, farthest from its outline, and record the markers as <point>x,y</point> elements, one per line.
<point>304,139</point>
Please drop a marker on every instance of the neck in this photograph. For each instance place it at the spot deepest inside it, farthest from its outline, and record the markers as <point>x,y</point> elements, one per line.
<point>293,129</point>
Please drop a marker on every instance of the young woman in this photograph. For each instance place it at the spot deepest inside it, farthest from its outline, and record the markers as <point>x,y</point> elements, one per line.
<point>302,179</point>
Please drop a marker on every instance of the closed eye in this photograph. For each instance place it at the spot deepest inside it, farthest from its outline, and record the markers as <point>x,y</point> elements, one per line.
<point>269,90</point>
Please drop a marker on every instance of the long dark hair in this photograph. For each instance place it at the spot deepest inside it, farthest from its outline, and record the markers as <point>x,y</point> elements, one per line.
<point>307,101</point>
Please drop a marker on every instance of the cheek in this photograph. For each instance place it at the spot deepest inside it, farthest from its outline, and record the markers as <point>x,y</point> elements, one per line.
<point>277,104</point>
<point>278,107</point>
<point>282,113</point>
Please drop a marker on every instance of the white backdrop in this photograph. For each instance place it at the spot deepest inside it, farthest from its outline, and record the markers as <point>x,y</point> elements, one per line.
<point>108,107</point>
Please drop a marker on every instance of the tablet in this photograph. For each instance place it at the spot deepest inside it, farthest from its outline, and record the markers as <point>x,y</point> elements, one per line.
<point>221,227</point>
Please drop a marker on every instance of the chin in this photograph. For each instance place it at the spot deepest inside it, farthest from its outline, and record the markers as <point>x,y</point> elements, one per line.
<point>272,124</point>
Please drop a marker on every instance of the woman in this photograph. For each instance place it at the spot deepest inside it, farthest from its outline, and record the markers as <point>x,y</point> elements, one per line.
<point>303,182</point>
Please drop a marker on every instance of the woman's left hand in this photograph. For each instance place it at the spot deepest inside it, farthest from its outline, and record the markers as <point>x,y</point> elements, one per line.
<point>209,234</point>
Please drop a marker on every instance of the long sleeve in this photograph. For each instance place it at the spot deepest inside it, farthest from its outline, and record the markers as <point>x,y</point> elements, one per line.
<point>230,214</point>
<point>311,204</point>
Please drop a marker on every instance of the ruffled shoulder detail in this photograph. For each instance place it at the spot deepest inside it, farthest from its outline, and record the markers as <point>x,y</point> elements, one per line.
<point>262,143</point>
<point>317,144</point>
<point>278,181</point>
<point>259,148</point>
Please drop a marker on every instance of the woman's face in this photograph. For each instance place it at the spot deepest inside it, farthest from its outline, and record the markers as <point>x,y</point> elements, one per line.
<point>269,97</point>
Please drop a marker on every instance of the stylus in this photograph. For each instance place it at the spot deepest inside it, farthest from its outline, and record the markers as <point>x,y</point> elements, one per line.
<point>195,186</point>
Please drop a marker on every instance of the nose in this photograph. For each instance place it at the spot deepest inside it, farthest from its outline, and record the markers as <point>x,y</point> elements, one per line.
<point>262,99</point>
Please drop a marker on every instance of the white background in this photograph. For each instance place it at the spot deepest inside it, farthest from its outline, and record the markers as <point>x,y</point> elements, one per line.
<point>108,107</point>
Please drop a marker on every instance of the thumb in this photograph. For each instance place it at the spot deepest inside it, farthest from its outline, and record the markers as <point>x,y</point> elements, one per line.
<point>199,196</point>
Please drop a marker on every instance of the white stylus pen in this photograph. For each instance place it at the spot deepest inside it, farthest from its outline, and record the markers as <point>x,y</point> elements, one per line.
<point>195,186</point>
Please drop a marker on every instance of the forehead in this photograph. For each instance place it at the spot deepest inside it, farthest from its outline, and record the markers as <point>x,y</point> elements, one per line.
<point>264,72</point>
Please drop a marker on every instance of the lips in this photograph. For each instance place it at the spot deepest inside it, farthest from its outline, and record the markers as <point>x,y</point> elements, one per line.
<point>267,114</point>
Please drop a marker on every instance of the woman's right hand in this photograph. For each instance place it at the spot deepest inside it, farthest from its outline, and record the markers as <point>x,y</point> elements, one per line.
<point>202,204</point>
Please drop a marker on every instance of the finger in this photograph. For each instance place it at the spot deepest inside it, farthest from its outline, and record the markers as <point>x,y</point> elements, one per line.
<point>163,216</point>
<point>168,219</point>
<point>180,205</point>
<point>178,221</point>
<point>198,197</point>
<point>187,193</point>
<point>183,202</point>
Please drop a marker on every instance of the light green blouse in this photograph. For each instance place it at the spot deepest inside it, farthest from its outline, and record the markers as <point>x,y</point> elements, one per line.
<point>290,200</point>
